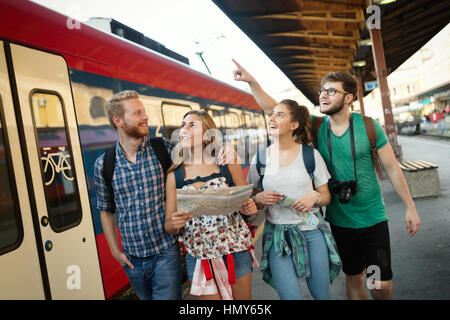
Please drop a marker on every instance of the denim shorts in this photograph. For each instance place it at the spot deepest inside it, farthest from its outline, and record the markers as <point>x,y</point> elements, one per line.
<point>242,264</point>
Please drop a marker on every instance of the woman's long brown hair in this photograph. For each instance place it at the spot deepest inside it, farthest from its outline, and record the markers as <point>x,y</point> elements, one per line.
<point>300,114</point>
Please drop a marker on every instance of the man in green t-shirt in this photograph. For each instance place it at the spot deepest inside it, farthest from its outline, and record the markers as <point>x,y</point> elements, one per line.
<point>358,221</point>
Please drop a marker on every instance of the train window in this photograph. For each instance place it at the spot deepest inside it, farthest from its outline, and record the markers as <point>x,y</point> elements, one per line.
<point>254,133</point>
<point>260,122</point>
<point>153,110</point>
<point>259,138</point>
<point>217,113</point>
<point>234,129</point>
<point>90,104</point>
<point>216,116</point>
<point>248,117</point>
<point>173,115</point>
<point>60,187</point>
<point>267,118</point>
<point>260,125</point>
<point>232,120</point>
<point>11,232</point>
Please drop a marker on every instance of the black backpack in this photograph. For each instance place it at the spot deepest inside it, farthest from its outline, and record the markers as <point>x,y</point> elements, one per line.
<point>109,164</point>
<point>308,160</point>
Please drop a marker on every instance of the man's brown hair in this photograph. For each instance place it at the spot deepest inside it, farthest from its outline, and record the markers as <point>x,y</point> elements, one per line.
<point>114,106</point>
<point>349,82</point>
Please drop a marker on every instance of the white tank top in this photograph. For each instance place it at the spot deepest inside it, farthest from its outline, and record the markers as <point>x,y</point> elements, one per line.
<point>294,182</point>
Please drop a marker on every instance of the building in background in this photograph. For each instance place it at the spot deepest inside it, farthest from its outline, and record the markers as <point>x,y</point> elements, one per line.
<point>420,86</point>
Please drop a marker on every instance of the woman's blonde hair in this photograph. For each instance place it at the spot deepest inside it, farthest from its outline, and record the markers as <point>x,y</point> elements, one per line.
<point>207,124</point>
<point>300,114</point>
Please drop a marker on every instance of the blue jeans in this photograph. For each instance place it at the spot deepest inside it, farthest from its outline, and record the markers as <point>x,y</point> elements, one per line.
<point>157,277</point>
<point>283,273</point>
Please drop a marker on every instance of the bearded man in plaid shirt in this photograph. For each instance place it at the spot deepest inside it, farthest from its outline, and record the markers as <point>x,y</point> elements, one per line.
<point>150,255</point>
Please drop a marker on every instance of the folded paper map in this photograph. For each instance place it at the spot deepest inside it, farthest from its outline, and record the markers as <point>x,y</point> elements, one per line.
<point>213,201</point>
<point>307,217</point>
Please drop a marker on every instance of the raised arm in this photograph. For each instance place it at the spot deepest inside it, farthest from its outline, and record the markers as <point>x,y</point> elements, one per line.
<point>266,102</point>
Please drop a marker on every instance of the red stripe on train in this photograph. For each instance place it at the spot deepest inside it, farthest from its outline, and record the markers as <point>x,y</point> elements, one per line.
<point>113,275</point>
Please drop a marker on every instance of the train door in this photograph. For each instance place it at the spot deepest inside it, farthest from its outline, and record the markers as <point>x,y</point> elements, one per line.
<point>55,175</point>
<point>20,276</point>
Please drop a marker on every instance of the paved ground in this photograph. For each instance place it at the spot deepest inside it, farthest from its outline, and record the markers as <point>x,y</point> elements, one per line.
<point>421,263</point>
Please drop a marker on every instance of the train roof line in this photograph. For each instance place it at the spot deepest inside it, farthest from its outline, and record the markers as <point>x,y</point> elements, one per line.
<point>181,64</point>
<point>18,23</point>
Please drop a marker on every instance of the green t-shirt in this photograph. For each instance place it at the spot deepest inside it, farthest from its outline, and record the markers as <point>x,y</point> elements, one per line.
<point>366,208</point>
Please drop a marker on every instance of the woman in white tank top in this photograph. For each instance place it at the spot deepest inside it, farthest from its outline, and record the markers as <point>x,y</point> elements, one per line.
<point>296,241</point>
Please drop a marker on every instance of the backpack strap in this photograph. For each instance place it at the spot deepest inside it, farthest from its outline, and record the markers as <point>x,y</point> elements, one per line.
<point>181,182</point>
<point>225,171</point>
<point>310,164</point>
<point>260,167</point>
<point>372,135</point>
<point>179,177</point>
<point>109,164</point>
<point>309,160</point>
<point>162,154</point>
<point>316,123</point>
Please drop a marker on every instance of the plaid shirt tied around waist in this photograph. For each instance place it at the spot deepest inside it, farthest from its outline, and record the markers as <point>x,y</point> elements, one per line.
<point>139,193</point>
<point>275,235</point>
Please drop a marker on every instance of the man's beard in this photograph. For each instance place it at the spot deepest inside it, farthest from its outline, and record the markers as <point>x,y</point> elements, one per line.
<point>135,131</point>
<point>335,109</point>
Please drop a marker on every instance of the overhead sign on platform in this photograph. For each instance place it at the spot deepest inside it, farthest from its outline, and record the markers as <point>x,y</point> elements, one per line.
<point>370,85</point>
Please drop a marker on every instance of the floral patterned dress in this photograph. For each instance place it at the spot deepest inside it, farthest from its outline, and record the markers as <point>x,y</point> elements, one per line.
<point>209,237</point>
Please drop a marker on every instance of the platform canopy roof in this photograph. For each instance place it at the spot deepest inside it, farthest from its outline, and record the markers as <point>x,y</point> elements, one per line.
<point>307,39</point>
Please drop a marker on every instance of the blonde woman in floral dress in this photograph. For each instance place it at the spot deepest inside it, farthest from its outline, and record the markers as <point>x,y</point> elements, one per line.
<point>218,259</point>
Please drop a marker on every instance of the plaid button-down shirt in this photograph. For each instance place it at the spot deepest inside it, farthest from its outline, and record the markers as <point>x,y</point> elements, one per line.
<point>139,193</point>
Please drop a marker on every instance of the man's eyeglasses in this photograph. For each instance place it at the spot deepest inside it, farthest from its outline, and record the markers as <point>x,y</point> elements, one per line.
<point>330,91</point>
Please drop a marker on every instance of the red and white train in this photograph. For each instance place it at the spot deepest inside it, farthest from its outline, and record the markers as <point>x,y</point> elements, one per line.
<point>54,81</point>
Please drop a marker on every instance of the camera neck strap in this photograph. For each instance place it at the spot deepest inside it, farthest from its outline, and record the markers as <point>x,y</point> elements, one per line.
<point>352,143</point>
